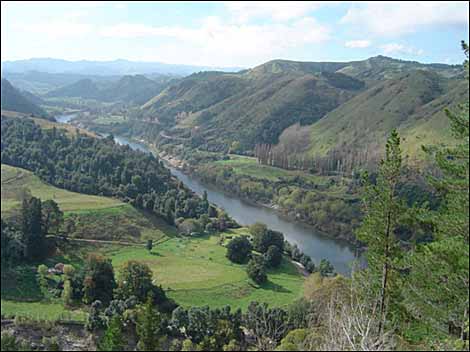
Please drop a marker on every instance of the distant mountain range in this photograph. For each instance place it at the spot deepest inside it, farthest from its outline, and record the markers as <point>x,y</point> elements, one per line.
<point>301,108</point>
<point>104,68</point>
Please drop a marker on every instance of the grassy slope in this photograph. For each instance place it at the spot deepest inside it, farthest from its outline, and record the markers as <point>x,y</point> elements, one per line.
<point>248,166</point>
<point>413,104</point>
<point>15,181</point>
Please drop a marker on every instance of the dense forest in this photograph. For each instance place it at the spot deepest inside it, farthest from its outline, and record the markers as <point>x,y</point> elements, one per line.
<point>90,165</point>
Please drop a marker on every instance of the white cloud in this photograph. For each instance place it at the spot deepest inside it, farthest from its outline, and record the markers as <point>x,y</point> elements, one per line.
<point>395,48</point>
<point>399,18</point>
<point>243,11</point>
<point>357,44</point>
<point>230,44</point>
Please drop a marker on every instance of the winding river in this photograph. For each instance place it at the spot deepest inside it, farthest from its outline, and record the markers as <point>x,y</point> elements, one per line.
<point>310,241</point>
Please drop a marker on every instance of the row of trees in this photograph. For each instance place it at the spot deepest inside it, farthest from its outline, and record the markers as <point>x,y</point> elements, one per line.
<point>341,160</point>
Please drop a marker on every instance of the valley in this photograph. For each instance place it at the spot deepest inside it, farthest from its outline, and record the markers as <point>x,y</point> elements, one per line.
<point>211,200</point>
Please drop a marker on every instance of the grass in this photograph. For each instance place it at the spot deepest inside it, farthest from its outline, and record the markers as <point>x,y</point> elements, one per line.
<point>249,166</point>
<point>40,311</point>
<point>195,272</point>
<point>15,182</point>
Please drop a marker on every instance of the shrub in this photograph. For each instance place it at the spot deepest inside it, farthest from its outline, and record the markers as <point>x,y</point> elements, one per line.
<point>256,270</point>
<point>239,249</point>
<point>273,256</point>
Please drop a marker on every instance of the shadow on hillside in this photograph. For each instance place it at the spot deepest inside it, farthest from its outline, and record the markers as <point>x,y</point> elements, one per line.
<point>269,285</point>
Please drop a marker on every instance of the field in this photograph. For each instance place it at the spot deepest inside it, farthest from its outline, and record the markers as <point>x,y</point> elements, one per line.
<point>193,271</point>
<point>248,166</point>
<point>16,181</point>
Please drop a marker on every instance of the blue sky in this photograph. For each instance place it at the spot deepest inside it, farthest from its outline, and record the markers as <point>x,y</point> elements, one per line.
<point>234,33</point>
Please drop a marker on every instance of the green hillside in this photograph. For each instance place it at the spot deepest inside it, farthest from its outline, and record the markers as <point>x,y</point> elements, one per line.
<point>136,89</point>
<point>413,103</point>
<point>84,88</point>
<point>12,99</point>
<point>211,110</point>
<point>252,107</point>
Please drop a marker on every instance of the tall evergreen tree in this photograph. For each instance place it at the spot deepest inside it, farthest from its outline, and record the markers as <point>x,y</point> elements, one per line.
<point>31,226</point>
<point>383,210</point>
<point>438,287</point>
<point>113,339</point>
<point>148,326</point>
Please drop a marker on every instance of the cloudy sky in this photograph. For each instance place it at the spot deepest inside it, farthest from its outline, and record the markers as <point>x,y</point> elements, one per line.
<point>233,33</point>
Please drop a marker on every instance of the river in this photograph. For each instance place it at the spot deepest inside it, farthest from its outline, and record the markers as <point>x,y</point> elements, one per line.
<point>310,241</point>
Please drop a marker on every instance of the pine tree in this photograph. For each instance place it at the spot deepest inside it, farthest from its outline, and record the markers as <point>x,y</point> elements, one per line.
<point>438,287</point>
<point>383,210</point>
<point>148,326</point>
<point>113,339</point>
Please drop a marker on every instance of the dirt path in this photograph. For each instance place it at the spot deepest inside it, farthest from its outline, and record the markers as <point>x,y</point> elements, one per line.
<point>122,243</point>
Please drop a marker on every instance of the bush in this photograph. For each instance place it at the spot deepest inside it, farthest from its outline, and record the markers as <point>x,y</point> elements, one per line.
<point>263,239</point>
<point>239,250</point>
<point>256,270</point>
<point>326,268</point>
<point>273,256</point>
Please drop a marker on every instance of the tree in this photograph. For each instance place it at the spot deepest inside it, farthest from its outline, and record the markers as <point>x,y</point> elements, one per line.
<point>189,226</point>
<point>256,270</point>
<point>148,327</point>
<point>31,227</point>
<point>239,249</point>
<point>95,320</point>
<point>52,217</point>
<point>149,245</point>
<point>268,325</point>
<point>263,238</point>
<point>42,278</point>
<point>135,279</point>
<point>273,256</point>
<point>383,212</point>
<point>326,268</point>
<point>113,339</point>
<point>67,293</point>
<point>437,288</point>
<point>99,282</point>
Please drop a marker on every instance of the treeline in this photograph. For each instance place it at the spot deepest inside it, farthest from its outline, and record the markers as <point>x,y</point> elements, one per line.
<point>84,164</point>
<point>338,161</point>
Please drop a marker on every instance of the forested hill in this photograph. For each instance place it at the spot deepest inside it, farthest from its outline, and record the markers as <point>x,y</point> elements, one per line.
<point>85,164</point>
<point>136,89</point>
<point>12,99</point>
<point>214,109</point>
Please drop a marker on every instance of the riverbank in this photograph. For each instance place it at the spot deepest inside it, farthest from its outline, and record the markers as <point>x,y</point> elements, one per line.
<point>316,244</point>
<point>227,186</point>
